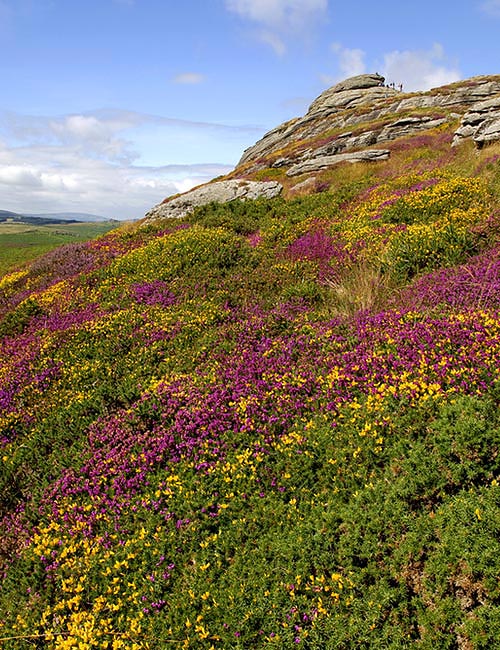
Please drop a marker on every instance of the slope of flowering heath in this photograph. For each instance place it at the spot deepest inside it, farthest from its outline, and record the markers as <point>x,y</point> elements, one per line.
<point>269,424</point>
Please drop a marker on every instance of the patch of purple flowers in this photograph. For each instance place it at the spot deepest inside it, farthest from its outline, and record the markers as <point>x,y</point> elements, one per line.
<point>153,293</point>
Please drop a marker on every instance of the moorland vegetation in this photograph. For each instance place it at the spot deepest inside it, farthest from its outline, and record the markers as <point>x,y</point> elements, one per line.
<point>270,423</point>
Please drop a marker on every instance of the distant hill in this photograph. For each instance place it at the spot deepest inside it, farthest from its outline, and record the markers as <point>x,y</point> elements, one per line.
<point>7,214</point>
<point>69,216</point>
<point>45,218</point>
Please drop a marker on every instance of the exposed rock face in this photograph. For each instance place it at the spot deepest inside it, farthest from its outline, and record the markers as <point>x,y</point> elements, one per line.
<point>359,81</point>
<point>364,99</point>
<point>308,184</point>
<point>323,162</point>
<point>328,111</point>
<point>481,123</point>
<point>218,192</point>
<point>337,149</point>
<point>472,91</point>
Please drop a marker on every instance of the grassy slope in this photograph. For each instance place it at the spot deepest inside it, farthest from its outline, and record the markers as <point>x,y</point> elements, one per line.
<point>22,243</point>
<point>273,424</point>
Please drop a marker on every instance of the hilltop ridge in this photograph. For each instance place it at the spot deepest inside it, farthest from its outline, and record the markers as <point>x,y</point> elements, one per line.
<point>380,114</point>
<point>353,121</point>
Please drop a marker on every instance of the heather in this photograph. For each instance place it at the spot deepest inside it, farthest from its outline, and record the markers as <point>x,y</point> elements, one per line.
<point>23,242</point>
<point>268,424</point>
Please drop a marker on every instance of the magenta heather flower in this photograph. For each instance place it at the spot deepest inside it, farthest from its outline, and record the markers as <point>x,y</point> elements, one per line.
<point>474,285</point>
<point>254,239</point>
<point>153,293</point>
<point>316,245</point>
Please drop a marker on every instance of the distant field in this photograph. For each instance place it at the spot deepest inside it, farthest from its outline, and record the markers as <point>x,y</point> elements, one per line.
<point>21,243</point>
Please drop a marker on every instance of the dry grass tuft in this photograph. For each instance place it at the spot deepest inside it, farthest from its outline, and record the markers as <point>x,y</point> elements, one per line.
<point>364,288</point>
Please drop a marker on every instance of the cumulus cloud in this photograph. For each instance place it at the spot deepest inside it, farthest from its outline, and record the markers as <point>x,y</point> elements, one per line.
<point>20,175</point>
<point>88,162</point>
<point>351,61</point>
<point>279,19</point>
<point>92,186</point>
<point>90,134</point>
<point>278,13</point>
<point>188,78</point>
<point>420,70</point>
<point>415,69</point>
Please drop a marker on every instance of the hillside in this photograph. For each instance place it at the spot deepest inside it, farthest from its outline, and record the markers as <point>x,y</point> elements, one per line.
<point>266,416</point>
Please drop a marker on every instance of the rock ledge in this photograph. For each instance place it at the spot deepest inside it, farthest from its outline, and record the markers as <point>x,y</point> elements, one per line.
<point>217,192</point>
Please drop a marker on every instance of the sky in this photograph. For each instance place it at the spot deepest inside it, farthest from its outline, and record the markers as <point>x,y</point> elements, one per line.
<point>109,106</point>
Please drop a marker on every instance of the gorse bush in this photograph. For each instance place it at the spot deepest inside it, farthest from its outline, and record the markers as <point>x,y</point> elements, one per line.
<point>433,199</point>
<point>192,251</point>
<point>423,247</point>
<point>271,424</point>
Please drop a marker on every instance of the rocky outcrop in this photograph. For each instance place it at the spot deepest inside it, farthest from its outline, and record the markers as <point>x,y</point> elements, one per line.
<point>306,186</point>
<point>342,144</point>
<point>349,94</point>
<point>218,192</point>
<point>347,123</point>
<point>324,162</point>
<point>481,123</point>
<point>458,95</point>
<point>408,126</point>
<point>364,99</point>
<point>328,111</point>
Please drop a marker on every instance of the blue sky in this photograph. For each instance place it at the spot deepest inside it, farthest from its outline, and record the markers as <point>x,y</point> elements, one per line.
<point>108,106</point>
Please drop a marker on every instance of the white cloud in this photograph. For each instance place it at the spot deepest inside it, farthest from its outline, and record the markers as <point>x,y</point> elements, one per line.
<point>277,43</point>
<point>351,61</point>
<point>88,163</point>
<point>491,7</point>
<point>278,13</point>
<point>188,78</point>
<point>92,134</point>
<point>279,18</point>
<point>419,70</point>
<point>87,185</point>
<point>415,69</point>
<point>20,175</point>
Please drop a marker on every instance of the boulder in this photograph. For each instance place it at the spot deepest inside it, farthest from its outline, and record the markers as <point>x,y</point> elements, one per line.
<point>350,93</point>
<point>481,123</point>
<point>489,131</point>
<point>217,192</point>
<point>306,185</point>
<point>360,81</point>
<point>324,162</point>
